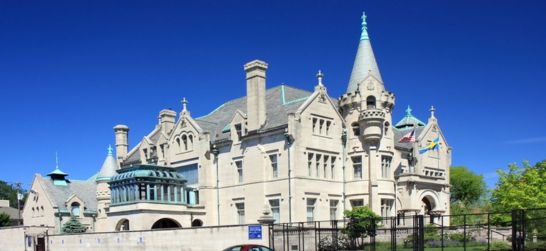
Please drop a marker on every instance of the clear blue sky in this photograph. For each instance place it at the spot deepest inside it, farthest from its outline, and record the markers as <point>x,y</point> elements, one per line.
<point>70,71</point>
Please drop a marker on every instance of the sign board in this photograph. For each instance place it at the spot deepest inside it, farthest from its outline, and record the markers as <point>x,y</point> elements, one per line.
<point>255,232</point>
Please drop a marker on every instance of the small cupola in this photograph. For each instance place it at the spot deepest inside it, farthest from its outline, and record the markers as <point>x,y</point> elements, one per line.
<point>409,121</point>
<point>58,177</point>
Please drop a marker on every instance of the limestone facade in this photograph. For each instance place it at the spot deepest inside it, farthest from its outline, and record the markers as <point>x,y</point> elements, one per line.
<point>303,155</point>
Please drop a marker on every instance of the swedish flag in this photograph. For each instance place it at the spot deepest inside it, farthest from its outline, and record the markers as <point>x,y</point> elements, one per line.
<point>434,145</point>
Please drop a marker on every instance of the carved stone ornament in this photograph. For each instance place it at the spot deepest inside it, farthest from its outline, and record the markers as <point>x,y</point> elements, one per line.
<point>371,86</point>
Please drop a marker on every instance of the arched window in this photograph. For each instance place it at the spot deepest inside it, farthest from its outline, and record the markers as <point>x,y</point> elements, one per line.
<point>197,223</point>
<point>166,223</point>
<point>178,144</point>
<point>370,102</point>
<point>386,128</point>
<point>191,141</point>
<point>185,141</point>
<point>75,209</point>
<point>123,225</point>
<point>356,129</point>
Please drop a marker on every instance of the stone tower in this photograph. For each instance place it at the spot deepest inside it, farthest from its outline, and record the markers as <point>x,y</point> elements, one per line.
<point>366,108</point>
<point>107,171</point>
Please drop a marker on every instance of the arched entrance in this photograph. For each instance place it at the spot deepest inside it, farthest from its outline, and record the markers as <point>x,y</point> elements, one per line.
<point>427,205</point>
<point>197,223</point>
<point>166,223</point>
<point>123,225</point>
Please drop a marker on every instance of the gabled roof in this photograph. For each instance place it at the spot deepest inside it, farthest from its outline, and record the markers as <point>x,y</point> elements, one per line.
<point>85,190</point>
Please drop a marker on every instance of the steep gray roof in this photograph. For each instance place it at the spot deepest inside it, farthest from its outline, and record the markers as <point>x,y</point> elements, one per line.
<point>365,64</point>
<point>85,190</point>
<point>280,101</point>
<point>399,133</point>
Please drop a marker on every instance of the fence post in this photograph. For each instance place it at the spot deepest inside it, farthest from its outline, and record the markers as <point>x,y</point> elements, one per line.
<point>442,233</point>
<point>464,232</point>
<point>488,231</point>
<point>415,236</point>
<point>421,233</point>
<point>393,234</point>
<point>372,234</point>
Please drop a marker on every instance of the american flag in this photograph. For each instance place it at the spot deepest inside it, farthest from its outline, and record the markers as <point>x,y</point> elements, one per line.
<point>409,137</point>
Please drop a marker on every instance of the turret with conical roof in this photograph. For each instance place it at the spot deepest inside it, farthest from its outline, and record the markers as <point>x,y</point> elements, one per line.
<point>107,171</point>
<point>109,167</point>
<point>367,110</point>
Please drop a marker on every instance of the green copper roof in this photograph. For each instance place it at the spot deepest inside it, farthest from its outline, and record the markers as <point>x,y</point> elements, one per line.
<point>364,35</point>
<point>148,172</point>
<point>58,172</point>
<point>409,121</point>
<point>364,64</point>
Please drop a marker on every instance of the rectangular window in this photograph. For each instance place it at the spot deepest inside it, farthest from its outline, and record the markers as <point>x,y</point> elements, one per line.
<point>311,209</point>
<point>333,209</point>
<point>332,167</point>
<point>239,164</point>
<point>386,166</point>
<point>275,210</point>
<point>357,167</point>
<point>314,125</point>
<point>309,163</point>
<point>386,207</point>
<point>238,129</point>
<point>274,167</point>
<point>325,163</point>
<point>328,123</point>
<point>321,125</point>
<point>357,203</point>
<point>317,164</point>
<point>240,212</point>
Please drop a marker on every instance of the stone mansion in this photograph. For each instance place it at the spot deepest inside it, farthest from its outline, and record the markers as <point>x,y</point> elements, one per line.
<point>297,155</point>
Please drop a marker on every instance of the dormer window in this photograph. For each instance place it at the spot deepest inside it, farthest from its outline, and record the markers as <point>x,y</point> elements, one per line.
<point>370,102</point>
<point>75,209</point>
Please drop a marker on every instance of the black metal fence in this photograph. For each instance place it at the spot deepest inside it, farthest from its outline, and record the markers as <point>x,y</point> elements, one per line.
<point>516,230</point>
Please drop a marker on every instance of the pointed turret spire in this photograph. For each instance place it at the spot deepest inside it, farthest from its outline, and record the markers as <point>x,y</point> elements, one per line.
<point>365,64</point>
<point>109,167</point>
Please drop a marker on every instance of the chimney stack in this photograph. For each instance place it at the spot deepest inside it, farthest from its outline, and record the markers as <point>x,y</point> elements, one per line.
<point>122,133</point>
<point>255,94</point>
<point>167,119</point>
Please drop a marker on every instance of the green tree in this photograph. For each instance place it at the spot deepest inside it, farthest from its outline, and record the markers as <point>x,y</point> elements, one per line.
<point>73,226</point>
<point>4,220</point>
<point>362,222</point>
<point>467,187</point>
<point>520,188</point>
<point>9,192</point>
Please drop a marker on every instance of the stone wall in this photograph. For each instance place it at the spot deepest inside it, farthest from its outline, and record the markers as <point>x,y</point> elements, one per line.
<point>191,239</point>
<point>12,239</point>
<point>188,239</point>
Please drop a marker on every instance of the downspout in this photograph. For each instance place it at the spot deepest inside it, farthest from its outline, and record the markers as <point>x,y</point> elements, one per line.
<point>289,141</point>
<point>215,151</point>
<point>60,220</point>
<point>344,143</point>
